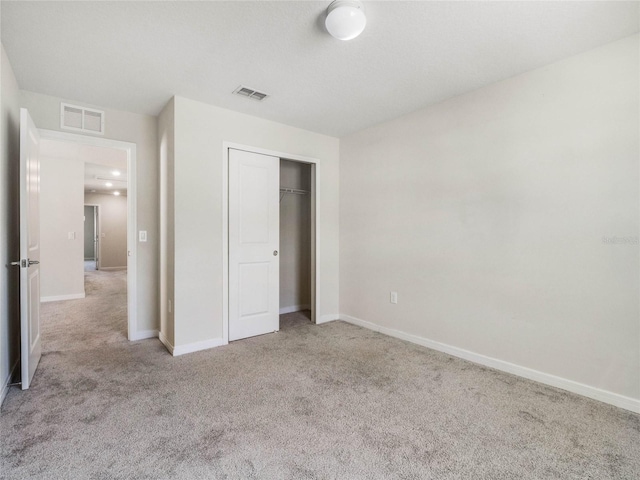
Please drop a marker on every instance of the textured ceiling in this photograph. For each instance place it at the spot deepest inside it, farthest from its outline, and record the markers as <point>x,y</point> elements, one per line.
<point>135,55</point>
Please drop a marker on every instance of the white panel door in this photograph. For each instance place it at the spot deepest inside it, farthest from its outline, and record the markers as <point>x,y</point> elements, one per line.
<point>29,248</point>
<point>254,237</point>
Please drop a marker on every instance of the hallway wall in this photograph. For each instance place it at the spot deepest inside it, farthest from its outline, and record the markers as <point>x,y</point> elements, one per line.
<point>113,228</point>
<point>61,229</point>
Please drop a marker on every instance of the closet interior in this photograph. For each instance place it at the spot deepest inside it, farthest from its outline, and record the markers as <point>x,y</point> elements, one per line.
<point>295,237</point>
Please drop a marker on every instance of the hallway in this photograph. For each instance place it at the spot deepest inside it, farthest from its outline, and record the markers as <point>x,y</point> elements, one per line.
<point>97,319</point>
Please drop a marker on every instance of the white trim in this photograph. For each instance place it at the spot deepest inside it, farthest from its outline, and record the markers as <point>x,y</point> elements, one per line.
<point>112,269</point>
<point>57,298</point>
<point>197,346</point>
<point>145,334</point>
<point>165,342</point>
<point>132,220</point>
<point>331,317</point>
<point>315,221</point>
<point>595,393</point>
<point>5,384</point>
<point>294,308</point>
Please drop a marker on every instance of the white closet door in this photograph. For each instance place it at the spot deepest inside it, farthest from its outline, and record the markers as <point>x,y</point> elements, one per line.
<point>254,234</point>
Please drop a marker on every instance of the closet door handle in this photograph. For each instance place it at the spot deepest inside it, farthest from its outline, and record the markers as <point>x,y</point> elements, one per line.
<point>275,253</point>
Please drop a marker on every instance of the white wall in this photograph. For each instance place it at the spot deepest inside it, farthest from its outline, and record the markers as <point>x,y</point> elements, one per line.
<point>113,228</point>
<point>295,238</point>
<point>487,214</point>
<point>61,216</point>
<point>9,222</point>
<point>141,130</point>
<point>200,131</point>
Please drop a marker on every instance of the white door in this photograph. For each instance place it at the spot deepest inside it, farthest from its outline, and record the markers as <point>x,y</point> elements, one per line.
<point>29,248</point>
<point>254,237</point>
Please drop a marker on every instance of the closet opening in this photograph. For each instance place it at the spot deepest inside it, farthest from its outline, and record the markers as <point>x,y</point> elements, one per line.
<point>295,243</point>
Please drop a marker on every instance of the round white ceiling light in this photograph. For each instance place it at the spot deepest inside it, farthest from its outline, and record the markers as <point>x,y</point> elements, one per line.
<point>345,19</point>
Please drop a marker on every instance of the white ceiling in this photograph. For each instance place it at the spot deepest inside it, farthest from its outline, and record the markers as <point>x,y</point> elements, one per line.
<point>135,55</point>
<point>99,164</point>
<point>96,178</point>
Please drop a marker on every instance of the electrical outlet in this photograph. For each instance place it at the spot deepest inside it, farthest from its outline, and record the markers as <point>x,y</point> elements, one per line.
<point>394,297</point>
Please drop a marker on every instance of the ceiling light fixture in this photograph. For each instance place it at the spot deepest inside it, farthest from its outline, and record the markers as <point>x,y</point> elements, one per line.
<point>116,193</point>
<point>116,173</point>
<point>109,184</point>
<point>345,19</point>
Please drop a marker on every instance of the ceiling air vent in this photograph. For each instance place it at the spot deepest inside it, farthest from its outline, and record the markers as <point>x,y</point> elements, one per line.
<point>81,119</point>
<point>250,92</point>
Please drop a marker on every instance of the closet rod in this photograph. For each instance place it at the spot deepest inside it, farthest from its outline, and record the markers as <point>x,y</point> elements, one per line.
<point>294,191</point>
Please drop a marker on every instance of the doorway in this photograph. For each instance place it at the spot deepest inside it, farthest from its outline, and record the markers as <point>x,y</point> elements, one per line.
<point>107,186</point>
<point>252,274</point>
<point>91,238</point>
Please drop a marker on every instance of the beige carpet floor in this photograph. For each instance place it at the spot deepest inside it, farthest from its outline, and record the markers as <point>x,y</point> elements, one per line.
<point>332,401</point>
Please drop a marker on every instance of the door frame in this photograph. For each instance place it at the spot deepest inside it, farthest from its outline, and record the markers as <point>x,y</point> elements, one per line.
<point>315,226</point>
<point>132,222</point>
<point>96,222</point>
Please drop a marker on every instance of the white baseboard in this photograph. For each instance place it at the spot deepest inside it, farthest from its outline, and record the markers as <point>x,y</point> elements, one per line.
<point>165,342</point>
<point>143,335</point>
<point>57,298</point>
<point>595,393</point>
<point>7,381</point>
<point>112,269</point>
<point>327,318</point>
<point>197,346</point>
<point>294,308</point>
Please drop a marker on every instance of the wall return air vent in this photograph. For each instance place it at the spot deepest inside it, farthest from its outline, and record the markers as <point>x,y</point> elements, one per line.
<point>81,119</point>
<point>250,92</point>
